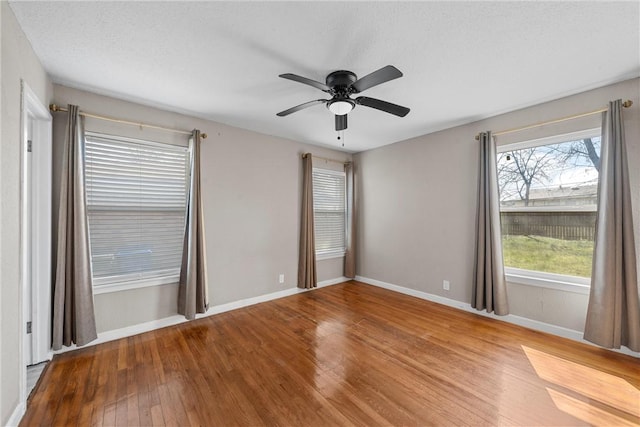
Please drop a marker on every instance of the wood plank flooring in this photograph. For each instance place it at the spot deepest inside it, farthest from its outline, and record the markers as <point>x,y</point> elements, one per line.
<point>349,354</point>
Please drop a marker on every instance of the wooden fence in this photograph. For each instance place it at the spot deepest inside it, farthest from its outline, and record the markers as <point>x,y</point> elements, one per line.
<point>559,225</point>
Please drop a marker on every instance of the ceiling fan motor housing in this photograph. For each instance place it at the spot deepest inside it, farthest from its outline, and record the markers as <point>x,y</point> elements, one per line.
<point>340,83</point>
<point>340,80</point>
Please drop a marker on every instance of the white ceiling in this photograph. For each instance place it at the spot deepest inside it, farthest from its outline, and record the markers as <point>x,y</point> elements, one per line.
<point>462,61</point>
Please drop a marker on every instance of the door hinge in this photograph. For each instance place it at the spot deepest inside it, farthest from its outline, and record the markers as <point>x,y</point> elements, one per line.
<point>29,145</point>
<point>28,327</point>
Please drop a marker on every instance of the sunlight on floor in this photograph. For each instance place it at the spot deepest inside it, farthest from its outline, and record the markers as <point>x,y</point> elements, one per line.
<point>331,363</point>
<point>585,411</point>
<point>589,383</point>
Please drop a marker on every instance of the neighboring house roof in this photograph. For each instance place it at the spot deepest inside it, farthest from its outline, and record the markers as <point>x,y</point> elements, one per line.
<point>578,195</point>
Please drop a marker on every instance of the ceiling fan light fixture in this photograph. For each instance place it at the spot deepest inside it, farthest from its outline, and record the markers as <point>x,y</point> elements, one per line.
<point>340,107</point>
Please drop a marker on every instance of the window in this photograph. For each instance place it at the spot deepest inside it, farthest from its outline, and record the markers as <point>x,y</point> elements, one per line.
<point>329,210</point>
<point>548,198</point>
<point>136,202</point>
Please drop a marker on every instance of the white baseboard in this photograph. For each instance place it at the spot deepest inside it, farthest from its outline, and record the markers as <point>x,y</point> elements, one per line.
<point>263,298</point>
<point>333,281</point>
<point>17,415</point>
<point>510,318</point>
<point>177,319</point>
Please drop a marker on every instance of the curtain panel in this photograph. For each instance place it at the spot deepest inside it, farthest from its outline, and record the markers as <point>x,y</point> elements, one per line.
<point>192,288</point>
<point>489,284</point>
<point>613,312</point>
<point>350,255</point>
<point>307,254</point>
<point>73,309</point>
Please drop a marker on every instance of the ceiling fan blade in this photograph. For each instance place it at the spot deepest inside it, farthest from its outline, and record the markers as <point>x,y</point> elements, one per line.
<point>301,107</point>
<point>341,122</point>
<point>385,106</point>
<point>382,75</point>
<point>306,81</point>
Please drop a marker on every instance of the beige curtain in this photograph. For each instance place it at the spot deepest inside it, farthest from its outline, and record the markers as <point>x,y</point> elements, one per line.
<point>489,285</point>
<point>350,255</point>
<point>613,313</point>
<point>73,313</point>
<point>307,255</point>
<point>192,290</point>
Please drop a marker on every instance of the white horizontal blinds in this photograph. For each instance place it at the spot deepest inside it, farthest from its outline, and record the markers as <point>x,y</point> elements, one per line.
<point>329,205</point>
<point>136,201</point>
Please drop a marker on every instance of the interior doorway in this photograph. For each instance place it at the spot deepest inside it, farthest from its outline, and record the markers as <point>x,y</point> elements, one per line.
<point>35,255</point>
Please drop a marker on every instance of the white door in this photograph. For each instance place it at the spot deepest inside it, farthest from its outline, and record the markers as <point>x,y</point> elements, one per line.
<point>35,230</point>
<point>28,243</point>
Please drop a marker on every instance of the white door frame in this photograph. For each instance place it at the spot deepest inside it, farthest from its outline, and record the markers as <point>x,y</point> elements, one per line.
<point>36,253</point>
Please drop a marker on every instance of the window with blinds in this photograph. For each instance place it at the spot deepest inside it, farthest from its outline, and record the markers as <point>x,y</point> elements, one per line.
<point>329,209</point>
<point>136,203</point>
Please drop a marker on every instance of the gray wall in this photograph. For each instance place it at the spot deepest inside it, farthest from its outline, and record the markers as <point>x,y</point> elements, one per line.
<point>18,62</point>
<point>417,204</point>
<point>252,190</point>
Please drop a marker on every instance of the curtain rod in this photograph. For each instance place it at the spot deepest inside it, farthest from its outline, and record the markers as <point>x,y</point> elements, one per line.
<point>625,104</point>
<point>326,159</point>
<point>55,108</point>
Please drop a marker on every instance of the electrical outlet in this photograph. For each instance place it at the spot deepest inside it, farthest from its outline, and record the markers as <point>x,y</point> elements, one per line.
<point>445,285</point>
<point>281,278</point>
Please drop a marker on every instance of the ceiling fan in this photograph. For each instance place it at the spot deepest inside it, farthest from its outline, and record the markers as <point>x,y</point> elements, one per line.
<point>341,85</point>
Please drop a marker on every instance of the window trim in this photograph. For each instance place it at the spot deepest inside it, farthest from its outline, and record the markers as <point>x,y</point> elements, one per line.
<point>135,284</point>
<point>331,254</point>
<point>541,279</point>
<point>98,284</point>
<point>548,140</point>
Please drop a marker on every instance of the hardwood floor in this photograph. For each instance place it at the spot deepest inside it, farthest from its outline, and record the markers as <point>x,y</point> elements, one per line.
<point>349,354</point>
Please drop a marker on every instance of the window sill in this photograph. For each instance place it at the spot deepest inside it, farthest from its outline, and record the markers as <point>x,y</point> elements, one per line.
<point>560,282</point>
<point>322,257</point>
<point>134,284</point>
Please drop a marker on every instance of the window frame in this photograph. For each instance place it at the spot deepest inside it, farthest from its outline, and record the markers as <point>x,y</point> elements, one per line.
<point>102,285</point>
<point>334,253</point>
<point>542,279</point>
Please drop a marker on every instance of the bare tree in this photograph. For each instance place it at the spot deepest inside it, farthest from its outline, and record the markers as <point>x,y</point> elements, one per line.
<point>518,170</point>
<point>584,149</point>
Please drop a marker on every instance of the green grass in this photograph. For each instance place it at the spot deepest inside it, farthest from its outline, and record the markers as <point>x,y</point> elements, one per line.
<point>572,257</point>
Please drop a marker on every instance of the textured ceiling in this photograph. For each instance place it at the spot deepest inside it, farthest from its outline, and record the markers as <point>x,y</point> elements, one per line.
<point>462,61</point>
